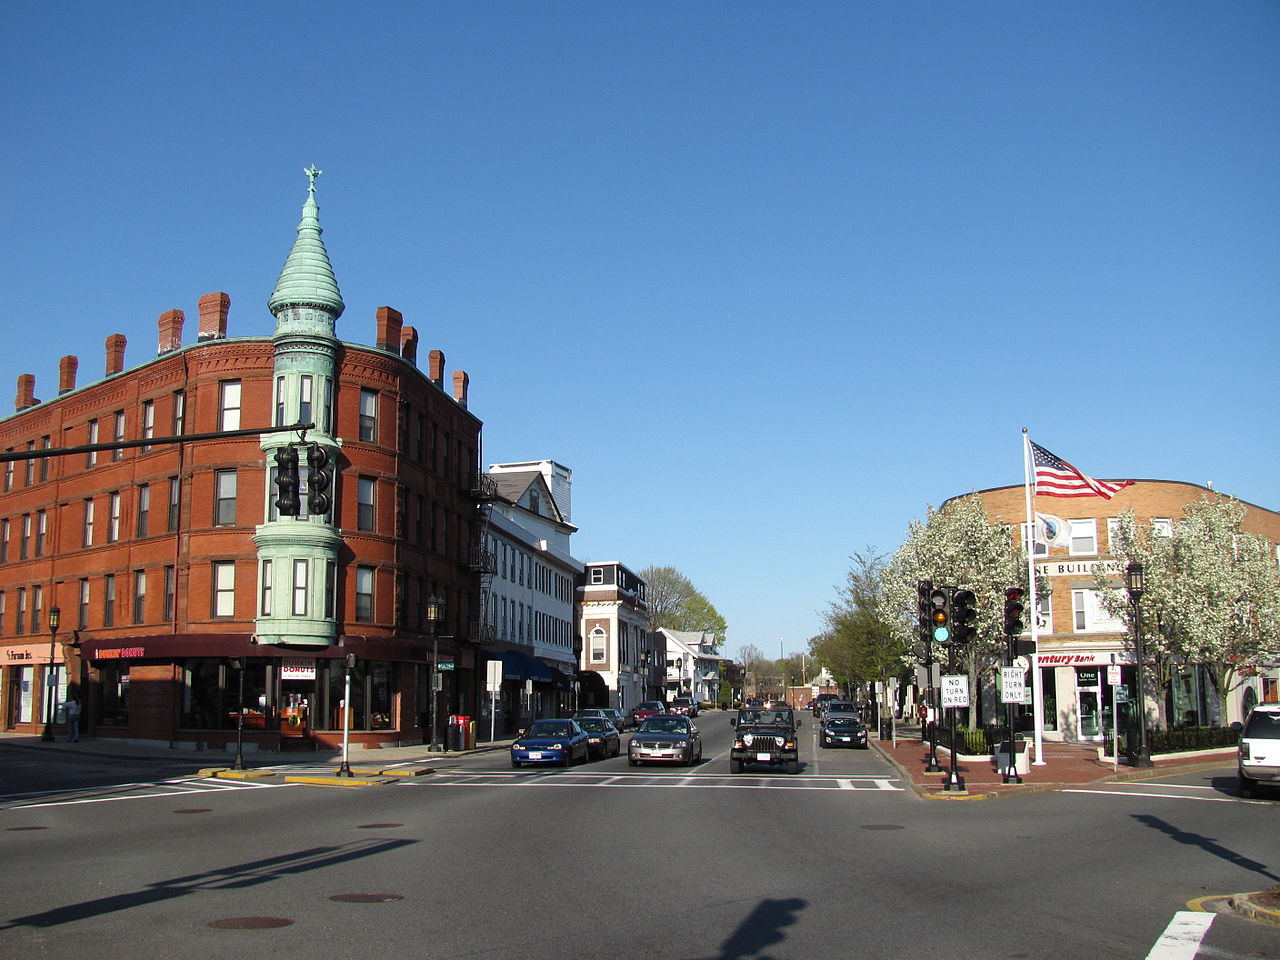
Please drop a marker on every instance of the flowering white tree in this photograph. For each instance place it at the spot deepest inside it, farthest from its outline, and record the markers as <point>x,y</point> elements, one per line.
<point>1211,591</point>
<point>956,546</point>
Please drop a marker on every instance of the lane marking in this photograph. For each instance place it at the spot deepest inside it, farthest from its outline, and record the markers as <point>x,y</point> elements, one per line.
<point>168,788</point>
<point>1162,796</point>
<point>1182,937</point>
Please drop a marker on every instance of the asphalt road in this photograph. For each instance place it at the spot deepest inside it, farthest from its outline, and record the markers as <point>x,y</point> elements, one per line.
<point>605,860</point>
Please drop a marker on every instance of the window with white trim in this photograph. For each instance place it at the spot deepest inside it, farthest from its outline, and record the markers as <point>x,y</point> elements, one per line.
<point>599,645</point>
<point>300,569</point>
<point>229,404</point>
<point>224,589</point>
<point>1084,537</point>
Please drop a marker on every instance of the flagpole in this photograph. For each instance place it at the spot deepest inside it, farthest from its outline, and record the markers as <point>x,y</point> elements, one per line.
<point>1037,699</point>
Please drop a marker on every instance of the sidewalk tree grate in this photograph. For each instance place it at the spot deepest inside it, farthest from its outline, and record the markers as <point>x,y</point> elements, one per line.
<point>250,923</point>
<point>366,897</point>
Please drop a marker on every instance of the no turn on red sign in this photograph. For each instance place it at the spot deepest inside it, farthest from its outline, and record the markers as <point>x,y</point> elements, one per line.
<point>955,691</point>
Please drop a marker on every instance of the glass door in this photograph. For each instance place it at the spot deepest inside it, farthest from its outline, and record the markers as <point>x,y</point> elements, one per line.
<point>1089,699</point>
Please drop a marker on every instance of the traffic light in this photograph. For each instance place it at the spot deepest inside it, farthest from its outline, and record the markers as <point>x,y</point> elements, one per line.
<point>287,482</point>
<point>318,480</point>
<point>963,616</point>
<point>1013,611</point>
<point>939,617</point>
<point>925,610</point>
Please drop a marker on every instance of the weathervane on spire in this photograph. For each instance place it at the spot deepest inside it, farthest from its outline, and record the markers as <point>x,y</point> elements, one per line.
<point>312,173</point>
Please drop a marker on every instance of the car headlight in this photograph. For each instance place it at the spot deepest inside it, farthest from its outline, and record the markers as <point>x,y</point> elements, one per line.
<point>747,740</point>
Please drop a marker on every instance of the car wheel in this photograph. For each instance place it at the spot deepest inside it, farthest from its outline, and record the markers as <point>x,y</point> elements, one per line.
<point>1248,787</point>
<point>793,766</point>
<point>515,764</point>
<point>823,744</point>
<point>633,761</point>
<point>735,766</point>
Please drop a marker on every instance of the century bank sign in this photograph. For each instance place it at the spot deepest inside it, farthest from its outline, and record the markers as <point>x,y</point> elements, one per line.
<point>1079,568</point>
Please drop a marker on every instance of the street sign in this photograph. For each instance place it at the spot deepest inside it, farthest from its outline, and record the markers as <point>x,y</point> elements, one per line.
<point>1113,675</point>
<point>444,665</point>
<point>955,691</point>
<point>1013,685</point>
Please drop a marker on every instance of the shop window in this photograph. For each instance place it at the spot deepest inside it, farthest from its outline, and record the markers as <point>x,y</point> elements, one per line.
<point>113,696</point>
<point>211,695</point>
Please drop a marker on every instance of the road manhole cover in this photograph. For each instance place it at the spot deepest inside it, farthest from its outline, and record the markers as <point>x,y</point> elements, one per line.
<point>366,897</point>
<point>378,826</point>
<point>881,826</point>
<point>26,828</point>
<point>250,923</point>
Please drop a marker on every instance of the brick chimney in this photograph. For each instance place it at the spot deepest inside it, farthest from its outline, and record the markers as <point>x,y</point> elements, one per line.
<point>213,317</point>
<point>390,321</point>
<point>67,368</point>
<point>170,324</point>
<point>115,353</point>
<point>435,368</point>
<point>26,392</point>
<point>408,344</point>
<point>460,384</point>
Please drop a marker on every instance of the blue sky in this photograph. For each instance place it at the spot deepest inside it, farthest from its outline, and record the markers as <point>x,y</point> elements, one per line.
<point>738,265</point>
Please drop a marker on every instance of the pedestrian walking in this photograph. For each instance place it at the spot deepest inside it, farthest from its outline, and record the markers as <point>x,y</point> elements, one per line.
<point>73,720</point>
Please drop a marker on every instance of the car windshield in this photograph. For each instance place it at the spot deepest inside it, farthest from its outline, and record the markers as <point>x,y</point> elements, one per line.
<point>594,724</point>
<point>840,706</point>
<point>664,725</point>
<point>765,716</point>
<point>588,713</point>
<point>650,705</point>
<point>842,722</point>
<point>1263,726</point>
<point>549,728</point>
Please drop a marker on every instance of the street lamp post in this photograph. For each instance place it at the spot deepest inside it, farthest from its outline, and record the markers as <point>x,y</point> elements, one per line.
<point>1133,580</point>
<point>435,613</point>
<point>50,687</point>
<point>237,664</point>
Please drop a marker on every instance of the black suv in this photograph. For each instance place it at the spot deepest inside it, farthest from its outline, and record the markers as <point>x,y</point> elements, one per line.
<point>765,736</point>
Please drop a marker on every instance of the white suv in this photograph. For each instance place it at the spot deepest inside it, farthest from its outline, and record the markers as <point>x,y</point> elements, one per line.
<point>1259,750</point>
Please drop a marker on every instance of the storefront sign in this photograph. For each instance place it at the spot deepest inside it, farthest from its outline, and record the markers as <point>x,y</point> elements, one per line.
<point>1074,659</point>
<point>120,653</point>
<point>297,668</point>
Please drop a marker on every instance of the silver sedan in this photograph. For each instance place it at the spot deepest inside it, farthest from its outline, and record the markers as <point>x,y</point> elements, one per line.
<point>665,739</point>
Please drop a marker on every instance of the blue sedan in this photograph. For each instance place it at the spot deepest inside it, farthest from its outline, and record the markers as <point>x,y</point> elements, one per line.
<point>550,741</point>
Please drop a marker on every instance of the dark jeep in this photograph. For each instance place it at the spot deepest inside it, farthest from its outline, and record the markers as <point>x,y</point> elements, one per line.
<point>765,736</point>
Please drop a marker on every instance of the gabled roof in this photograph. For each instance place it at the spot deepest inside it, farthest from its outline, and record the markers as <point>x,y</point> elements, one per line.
<point>694,642</point>
<point>516,487</point>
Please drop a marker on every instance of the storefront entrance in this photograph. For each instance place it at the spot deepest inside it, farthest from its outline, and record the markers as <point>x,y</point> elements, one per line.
<point>1094,713</point>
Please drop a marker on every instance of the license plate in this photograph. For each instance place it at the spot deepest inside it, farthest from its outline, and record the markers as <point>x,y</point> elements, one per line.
<point>845,739</point>
<point>535,754</point>
<point>763,756</point>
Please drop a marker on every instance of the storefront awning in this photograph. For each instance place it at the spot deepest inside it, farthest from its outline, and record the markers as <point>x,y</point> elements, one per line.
<point>521,666</point>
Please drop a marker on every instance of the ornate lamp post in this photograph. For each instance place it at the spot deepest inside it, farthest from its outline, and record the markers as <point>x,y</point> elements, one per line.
<point>1133,581</point>
<point>50,687</point>
<point>435,614</point>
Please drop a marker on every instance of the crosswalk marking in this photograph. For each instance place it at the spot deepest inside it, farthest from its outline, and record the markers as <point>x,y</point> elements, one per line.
<point>651,781</point>
<point>161,788</point>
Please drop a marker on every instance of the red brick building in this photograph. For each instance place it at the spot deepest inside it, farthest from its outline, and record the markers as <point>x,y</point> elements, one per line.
<point>1078,639</point>
<point>172,567</point>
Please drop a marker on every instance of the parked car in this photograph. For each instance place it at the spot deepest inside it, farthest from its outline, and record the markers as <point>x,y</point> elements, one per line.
<point>591,712</point>
<point>550,741</point>
<point>841,730</point>
<point>665,738</point>
<point>1258,755</point>
<point>643,711</point>
<point>765,736</point>
<point>684,706</point>
<point>603,740</point>
<point>620,719</point>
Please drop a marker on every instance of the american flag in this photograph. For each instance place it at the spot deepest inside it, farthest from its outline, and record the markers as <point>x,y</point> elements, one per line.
<point>1057,478</point>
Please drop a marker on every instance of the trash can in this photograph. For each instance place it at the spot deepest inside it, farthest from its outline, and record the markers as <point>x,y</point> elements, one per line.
<point>459,732</point>
<point>1021,759</point>
<point>886,729</point>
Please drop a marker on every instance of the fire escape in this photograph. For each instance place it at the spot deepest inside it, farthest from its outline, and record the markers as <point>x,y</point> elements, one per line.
<point>484,563</point>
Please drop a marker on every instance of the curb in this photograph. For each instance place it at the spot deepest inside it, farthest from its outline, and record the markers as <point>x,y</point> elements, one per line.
<point>321,780</point>
<point>1241,904</point>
